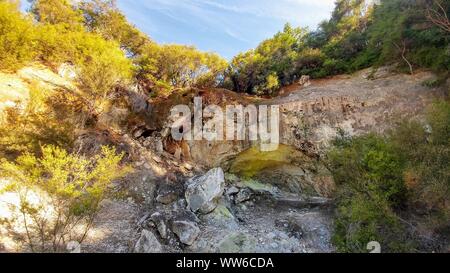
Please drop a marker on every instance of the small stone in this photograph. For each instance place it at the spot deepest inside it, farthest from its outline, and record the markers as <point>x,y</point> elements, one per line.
<point>238,243</point>
<point>138,133</point>
<point>147,243</point>
<point>167,193</point>
<point>233,190</point>
<point>143,221</point>
<point>243,195</point>
<point>138,163</point>
<point>166,198</point>
<point>159,146</point>
<point>147,143</point>
<point>165,132</point>
<point>160,223</point>
<point>157,159</point>
<point>186,231</point>
<point>188,166</point>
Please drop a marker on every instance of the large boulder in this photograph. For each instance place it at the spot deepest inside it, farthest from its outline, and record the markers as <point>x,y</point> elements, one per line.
<point>203,192</point>
<point>186,231</point>
<point>148,243</point>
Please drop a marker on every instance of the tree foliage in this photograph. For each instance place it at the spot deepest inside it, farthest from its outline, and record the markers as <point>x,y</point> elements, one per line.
<point>104,18</point>
<point>17,46</point>
<point>57,12</point>
<point>160,68</point>
<point>276,57</point>
<point>358,35</point>
<point>382,179</point>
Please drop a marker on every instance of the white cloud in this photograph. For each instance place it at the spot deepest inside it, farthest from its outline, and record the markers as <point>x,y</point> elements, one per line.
<point>238,24</point>
<point>299,12</point>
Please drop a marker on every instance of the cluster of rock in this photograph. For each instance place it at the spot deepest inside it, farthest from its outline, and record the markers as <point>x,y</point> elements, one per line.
<point>185,218</point>
<point>179,223</point>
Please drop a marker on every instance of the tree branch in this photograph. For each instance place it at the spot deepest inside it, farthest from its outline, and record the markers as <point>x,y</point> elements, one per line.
<point>438,16</point>
<point>403,52</point>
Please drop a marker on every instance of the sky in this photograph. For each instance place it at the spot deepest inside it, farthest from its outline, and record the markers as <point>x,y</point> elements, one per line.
<point>223,26</point>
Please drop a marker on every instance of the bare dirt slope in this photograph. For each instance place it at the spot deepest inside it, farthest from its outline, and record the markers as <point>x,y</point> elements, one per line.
<point>358,104</point>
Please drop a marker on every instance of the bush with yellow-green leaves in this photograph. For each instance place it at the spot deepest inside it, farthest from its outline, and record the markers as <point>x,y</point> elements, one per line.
<point>58,194</point>
<point>17,44</point>
<point>101,64</point>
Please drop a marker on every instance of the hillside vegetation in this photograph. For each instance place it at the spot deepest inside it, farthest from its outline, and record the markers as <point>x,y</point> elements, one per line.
<point>390,187</point>
<point>358,35</point>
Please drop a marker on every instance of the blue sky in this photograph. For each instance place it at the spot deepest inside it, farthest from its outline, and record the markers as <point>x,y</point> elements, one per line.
<point>224,26</point>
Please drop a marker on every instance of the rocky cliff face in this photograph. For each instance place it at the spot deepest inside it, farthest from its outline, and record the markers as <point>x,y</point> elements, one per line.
<point>274,201</point>
<point>16,88</point>
<point>357,104</point>
<point>200,196</point>
<point>311,116</point>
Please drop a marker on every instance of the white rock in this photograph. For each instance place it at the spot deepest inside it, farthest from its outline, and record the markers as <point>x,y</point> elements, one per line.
<point>203,192</point>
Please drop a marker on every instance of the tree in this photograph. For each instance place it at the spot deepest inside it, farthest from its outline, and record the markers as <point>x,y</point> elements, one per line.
<point>437,13</point>
<point>401,31</point>
<point>103,17</point>
<point>59,194</point>
<point>272,83</point>
<point>101,67</point>
<point>243,71</point>
<point>403,49</point>
<point>274,57</point>
<point>368,174</point>
<point>17,36</point>
<point>44,120</point>
<point>57,12</point>
<point>178,66</point>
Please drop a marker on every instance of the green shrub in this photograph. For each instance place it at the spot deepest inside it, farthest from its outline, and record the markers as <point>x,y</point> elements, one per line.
<point>439,119</point>
<point>363,218</point>
<point>60,194</point>
<point>17,45</point>
<point>369,178</point>
<point>101,64</point>
<point>383,179</point>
